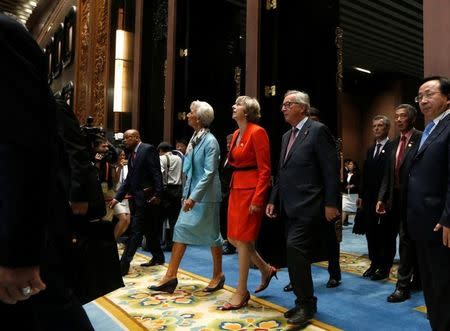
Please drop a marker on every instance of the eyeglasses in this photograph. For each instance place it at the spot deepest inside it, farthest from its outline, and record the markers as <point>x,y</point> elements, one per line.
<point>288,104</point>
<point>426,95</point>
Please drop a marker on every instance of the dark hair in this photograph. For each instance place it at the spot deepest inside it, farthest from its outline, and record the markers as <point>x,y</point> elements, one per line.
<point>444,84</point>
<point>181,141</point>
<point>314,112</point>
<point>164,147</point>
<point>410,110</point>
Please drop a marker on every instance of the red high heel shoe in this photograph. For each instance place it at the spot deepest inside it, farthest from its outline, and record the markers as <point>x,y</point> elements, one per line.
<point>243,303</point>
<point>263,286</point>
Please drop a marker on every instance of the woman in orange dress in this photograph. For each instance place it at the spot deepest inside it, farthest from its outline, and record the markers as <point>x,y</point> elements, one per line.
<point>250,158</point>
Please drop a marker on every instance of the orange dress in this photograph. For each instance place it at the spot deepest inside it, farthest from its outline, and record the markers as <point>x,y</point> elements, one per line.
<point>249,183</point>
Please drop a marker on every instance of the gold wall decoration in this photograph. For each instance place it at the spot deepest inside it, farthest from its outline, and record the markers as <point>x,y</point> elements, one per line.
<point>82,78</point>
<point>237,80</point>
<point>92,59</point>
<point>271,4</point>
<point>101,39</point>
<point>270,91</point>
<point>340,65</point>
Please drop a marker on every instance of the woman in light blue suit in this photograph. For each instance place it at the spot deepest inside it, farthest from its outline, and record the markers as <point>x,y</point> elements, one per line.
<point>198,222</point>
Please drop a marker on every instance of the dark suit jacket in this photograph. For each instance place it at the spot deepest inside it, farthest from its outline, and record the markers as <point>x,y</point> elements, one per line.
<point>32,195</point>
<point>143,172</point>
<point>429,186</point>
<point>386,193</point>
<point>308,180</point>
<point>354,180</point>
<point>373,173</point>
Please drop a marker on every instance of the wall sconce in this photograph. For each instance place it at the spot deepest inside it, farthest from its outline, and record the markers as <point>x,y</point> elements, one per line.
<point>123,71</point>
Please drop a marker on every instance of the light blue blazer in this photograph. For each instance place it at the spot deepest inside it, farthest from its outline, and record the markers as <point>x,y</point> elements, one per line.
<point>201,169</point>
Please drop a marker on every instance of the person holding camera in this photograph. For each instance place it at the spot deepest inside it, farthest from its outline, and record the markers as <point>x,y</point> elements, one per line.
<point>144,183</point>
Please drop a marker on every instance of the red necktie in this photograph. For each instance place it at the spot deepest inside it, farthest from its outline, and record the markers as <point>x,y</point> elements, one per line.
<point>291,141</point>
<point>400,154</point>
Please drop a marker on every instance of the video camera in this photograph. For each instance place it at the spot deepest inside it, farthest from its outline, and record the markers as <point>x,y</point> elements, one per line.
<point>95,135</point>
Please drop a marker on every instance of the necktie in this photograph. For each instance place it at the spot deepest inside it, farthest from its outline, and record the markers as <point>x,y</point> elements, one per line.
<point>377,150</point>
<point>291,141</point>
<point>426,133</point>
<point>400,154</point>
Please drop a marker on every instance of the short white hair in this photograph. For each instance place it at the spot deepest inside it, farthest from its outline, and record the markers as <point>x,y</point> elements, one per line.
<point>205,112</point>
<point>300,97</point>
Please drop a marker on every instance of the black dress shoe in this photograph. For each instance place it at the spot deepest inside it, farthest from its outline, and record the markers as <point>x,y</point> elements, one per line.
<point>399,295</point>
<point>380,274</point>
<point>288,288</point>
<point>369,272</point>
<point>291,312</point>
<point>227,250</point>
<point>168,287</point>
<point>152,263</point>
<point>301,316</point>
<point>124,268</point>
<point>333,283</point>
<point>219,286</point>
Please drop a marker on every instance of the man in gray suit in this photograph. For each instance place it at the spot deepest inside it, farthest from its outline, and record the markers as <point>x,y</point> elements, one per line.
<point>305,193</point>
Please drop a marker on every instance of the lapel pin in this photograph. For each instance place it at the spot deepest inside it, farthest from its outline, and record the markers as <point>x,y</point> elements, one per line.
<point>409,145</point>
<point>382,151</point>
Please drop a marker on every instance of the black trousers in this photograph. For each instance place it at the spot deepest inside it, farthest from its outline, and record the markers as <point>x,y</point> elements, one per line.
<point>146,220</point>
<point>334,267</point>
<point>434,264</point>
<point>408,258</point>
<point>299,243</point>
<point>381,238</point>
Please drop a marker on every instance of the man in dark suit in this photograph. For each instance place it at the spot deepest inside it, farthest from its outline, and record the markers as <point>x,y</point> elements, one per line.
<point>305,192</point>
<point>144,175</point>
<point>35,228</point>
<point>428,200</point>
<point>379,229</point>
<point>392,197</point>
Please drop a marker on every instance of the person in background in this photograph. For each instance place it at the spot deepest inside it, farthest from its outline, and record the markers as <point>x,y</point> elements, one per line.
<point>122,209</point>
<point>225,172</point>
<point>392,197</point>
<point>350,192</point>
<point>380,242</point>
<point>36,265</point>
<point>144,182</point>
<point>171,169</point>
<point>199,219</point>
<point>306,194</point>
<point>428,200</point>
<point>181,145</point>
<point>249,157</point>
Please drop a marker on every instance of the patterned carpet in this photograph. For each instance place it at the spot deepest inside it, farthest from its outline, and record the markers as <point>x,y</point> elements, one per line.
<point>188,308</point>
<point>357,264</point>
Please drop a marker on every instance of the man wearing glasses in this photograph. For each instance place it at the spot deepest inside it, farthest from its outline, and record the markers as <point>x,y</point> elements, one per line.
<point>305,194</point>
<point>428,200</point>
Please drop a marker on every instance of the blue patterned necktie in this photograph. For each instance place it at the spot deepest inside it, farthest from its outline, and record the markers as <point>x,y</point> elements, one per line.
<point>426,133</point>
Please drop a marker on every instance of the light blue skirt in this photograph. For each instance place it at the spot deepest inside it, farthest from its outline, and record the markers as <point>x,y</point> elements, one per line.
<point>199,226</point>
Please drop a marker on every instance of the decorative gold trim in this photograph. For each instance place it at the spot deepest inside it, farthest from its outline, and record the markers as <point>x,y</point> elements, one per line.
<point>237,80</point>
<point>100,38</point>
<point>271,4</point>
<point>339,50</point>
<point>83,36</point>
<point>270,91</point>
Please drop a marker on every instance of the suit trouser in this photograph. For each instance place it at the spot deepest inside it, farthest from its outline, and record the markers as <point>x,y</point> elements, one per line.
<point>144,221</point>
<point>408,258</point>
<point>434,265</point>
<point>299,245</point>
<point>334,268</point>
<point>381,240</point>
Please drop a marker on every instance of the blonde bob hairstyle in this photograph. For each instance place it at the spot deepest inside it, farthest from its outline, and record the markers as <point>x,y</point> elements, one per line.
<point>252,109</point>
